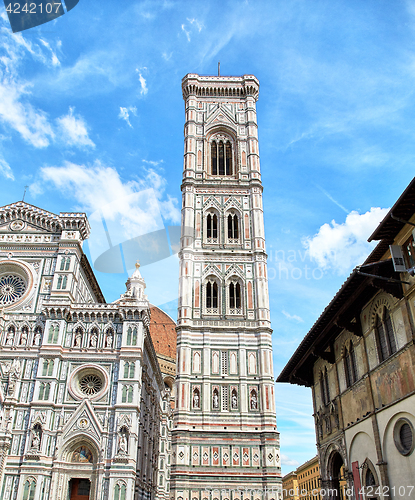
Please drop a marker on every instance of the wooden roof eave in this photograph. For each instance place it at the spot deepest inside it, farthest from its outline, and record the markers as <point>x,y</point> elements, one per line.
<point>343,312</point>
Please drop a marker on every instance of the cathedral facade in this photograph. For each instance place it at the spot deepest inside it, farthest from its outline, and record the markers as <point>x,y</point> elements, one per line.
<point>83,400</point>
<point>91,407</point>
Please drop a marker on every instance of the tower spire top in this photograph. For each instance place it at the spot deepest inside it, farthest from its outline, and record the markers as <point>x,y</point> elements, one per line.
<point>218,68</point>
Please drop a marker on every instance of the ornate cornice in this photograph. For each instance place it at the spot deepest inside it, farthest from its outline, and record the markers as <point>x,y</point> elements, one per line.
<point>70,221</point>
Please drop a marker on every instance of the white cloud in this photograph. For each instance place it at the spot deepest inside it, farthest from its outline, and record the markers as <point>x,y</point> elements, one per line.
<point>293,316</point>
<point>55,61</point>
<point>289,461</point>
<point>154,163</point>
<point>342,246</point>
<point>97,186</point>
<point>124,114</point>
<point>15,110</point>
<point>194,22</point>
<point>6,170</point>
<point>332,199</point>
<point>73,129</point>
<point>129,209</point>
<point>187,33</point>
<point>31,123</point>
<point>143,84</point>
<point>198,24</point>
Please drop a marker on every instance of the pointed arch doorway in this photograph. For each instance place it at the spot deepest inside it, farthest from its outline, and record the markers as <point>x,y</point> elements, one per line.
<point>79,489</point>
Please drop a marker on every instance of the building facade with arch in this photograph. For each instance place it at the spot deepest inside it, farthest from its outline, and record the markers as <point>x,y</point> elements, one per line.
<point>86,386</point>
<point>359,360</point>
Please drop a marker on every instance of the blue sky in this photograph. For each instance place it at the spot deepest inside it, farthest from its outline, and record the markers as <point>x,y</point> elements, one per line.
<point>91,118</point>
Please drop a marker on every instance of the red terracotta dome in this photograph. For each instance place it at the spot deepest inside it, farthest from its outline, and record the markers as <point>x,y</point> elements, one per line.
<point>163,333</point>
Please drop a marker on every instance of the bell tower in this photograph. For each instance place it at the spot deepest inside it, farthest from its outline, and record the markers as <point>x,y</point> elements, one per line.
<point>225,442</point>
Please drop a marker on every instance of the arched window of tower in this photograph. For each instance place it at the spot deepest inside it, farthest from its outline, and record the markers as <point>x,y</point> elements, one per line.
<point>212,228</point>
<point>233,228</point>
<point>221,157</point>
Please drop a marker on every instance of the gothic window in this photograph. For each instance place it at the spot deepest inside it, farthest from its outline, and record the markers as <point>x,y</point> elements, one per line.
<point>130,394</point>
<point>212,228</point>
<point>64,282</point>
<point>214,158</point>
<point>233,363</point>
<point>409,251</point>
<point>29,489</point>
<point>233,228</point>
<point>215,362</point>
<point>221,158</point>
<point>59,285</point>
<point>384,334</point>
<point>44,390</point>
<point>324,387</point>
<point>370,478</point>
<point>65,263</point>
<point>47,367</point>
<point>224,362</point>
<point>129,332</point>
<point>234,297</point>
<point>212,303</point>
<point>225,401</point>
<point>134,336</point>
<point>53,334</point>
<point>196,362</point>
<point>124,394</point>
<point>132,370</point>
<point>350,365</point>
<point>126,369</point>
<point>252,363</point>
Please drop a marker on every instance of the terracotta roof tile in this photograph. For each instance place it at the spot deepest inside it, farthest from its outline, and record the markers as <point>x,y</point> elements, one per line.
<point>163,333</point>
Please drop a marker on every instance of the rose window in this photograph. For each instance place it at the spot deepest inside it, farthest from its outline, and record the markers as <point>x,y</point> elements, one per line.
<point>12,288</point>
<point>90,384</point>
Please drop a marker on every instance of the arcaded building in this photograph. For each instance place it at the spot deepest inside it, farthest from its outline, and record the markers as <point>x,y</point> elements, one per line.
<point>359,361</point>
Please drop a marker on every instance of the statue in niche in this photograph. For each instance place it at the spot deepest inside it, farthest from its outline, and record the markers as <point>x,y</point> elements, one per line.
<point>196,399</point>
<point>10,337</point>
<point>78,338</point>
<point>14,373</point>
<point>254,401</point>
<point>36,339</point>
<point>109,339</point>
<point>94,340</point>
<point>122,443</point>
<point>215,399</point>
<point>35,440</point>
<point>234,401</point>
<point>23,338</point>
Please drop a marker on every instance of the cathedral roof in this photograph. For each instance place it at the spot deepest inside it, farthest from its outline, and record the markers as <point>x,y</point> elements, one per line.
<point>47,220</point>
<point>163,333</point>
